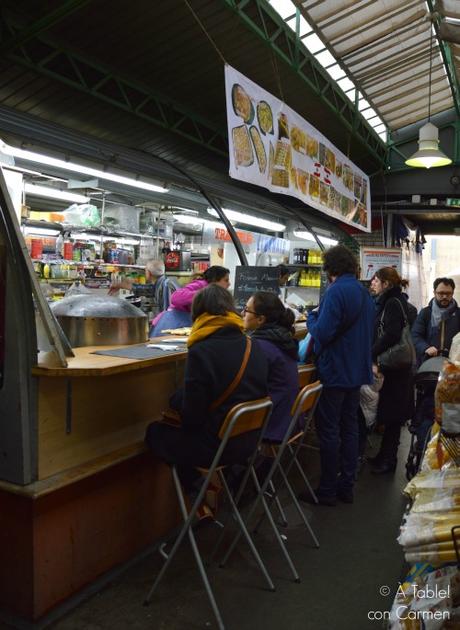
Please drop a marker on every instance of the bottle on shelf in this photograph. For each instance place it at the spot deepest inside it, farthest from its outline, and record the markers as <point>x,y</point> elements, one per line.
<point>59,246</point>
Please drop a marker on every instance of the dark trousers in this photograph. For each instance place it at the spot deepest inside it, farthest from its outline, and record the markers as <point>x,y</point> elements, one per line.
<point>337,429</point>
<point>187,449</point>
<point>390,441</point>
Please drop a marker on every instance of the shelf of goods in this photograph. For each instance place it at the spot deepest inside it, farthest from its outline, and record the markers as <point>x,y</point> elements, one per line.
<point>430,532</point>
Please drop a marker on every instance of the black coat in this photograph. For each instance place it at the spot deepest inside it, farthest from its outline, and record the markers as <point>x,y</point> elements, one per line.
<point>212,364</point>
<point>424,335</point>
<point>397,390</point>
<point>392,317</point>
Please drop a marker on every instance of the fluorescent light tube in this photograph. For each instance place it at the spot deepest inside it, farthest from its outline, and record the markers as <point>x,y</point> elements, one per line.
<point>39,158</point>
<point>188,220</point>
<point>309,237</point>
<point>54,193</point>
<point>247,219</point>
<point>39,231</point>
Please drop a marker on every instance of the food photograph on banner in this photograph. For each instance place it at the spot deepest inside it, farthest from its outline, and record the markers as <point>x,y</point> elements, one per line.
<point>272,146</point>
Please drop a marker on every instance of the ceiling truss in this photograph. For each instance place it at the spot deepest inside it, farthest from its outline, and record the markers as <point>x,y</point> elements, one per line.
<point>41,55</point>
<point>261,18</point>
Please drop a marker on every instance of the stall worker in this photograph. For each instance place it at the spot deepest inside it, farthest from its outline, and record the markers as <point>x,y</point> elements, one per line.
<point>178,314</point>
<point>163,287</point>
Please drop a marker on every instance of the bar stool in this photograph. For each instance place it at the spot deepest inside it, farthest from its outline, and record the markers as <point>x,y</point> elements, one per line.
<point>243,418</point>
<point>304,404</point>
<point>307,373</point>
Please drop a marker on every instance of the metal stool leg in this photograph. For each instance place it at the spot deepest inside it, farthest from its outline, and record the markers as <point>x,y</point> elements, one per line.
<point>298,507</point>
<point>260,497</point>
<point>284,521</point>
<point>302,473</point>
<point>188,529</point>
<point>245,533</point>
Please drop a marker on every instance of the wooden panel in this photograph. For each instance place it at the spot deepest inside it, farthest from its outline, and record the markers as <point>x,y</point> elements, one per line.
<point>90,527</point>
<point>107,414</point>
<point>54,545</point>
<point>16,555</point>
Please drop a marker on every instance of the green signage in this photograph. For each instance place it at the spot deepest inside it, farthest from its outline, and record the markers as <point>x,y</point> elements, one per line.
<point>453,202</point>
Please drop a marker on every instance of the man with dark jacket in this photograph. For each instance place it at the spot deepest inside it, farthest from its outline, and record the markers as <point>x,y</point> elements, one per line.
<point>438,323</point>
<point>342,329</point>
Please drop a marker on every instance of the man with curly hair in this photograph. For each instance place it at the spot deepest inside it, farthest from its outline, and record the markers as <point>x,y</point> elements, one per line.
<point>342,328</point>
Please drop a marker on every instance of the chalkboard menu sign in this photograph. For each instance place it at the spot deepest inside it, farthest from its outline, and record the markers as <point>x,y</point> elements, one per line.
<point>248,280</point>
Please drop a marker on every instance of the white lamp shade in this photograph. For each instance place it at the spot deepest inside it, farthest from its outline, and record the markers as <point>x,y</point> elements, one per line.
<point>429,154</point>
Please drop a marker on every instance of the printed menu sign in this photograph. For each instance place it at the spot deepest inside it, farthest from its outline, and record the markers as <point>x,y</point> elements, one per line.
<point>374,258</point>
<point>272,146</point>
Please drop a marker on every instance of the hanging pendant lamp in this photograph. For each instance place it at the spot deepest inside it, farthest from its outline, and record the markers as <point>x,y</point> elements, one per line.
<point>429,154</point>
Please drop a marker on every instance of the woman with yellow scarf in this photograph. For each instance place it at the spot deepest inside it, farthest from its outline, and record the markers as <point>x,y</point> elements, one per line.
<point>217,347</point>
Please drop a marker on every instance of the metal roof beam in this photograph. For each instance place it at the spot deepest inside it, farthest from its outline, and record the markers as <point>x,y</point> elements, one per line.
<point>41,25</point>
<point>98,81</point>
<point>447,59</point>
<point>261,19</point>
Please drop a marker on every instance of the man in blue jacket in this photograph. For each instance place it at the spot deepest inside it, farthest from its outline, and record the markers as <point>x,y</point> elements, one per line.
<point>438,323</point>
<point>342,328</point>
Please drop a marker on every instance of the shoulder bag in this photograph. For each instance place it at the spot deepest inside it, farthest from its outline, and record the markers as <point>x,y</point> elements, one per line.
<point>236,381</point>
<point>402,354</point>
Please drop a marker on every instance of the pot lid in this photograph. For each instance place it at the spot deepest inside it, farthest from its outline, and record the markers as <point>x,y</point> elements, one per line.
<point>95,306</point>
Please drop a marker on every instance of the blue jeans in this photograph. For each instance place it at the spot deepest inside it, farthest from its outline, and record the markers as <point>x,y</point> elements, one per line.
<point>337,429</point>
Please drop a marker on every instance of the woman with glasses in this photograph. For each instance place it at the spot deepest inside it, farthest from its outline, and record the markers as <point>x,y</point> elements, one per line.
<point>217,350</point>
<point>392,315</point>
<point>267,320</point>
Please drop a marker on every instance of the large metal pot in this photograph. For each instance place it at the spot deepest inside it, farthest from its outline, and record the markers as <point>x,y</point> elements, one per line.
<point>100,320</point>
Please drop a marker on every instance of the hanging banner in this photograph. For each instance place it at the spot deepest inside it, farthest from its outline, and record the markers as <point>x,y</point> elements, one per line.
<point>374,258</point>
<point>272,146</point>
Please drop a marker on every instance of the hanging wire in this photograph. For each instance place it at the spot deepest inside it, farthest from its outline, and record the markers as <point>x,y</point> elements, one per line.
<point>277,75</point>
<point>431,70</point>
<point>203,28</point>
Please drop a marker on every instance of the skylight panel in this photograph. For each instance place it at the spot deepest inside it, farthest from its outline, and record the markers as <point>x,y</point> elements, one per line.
<point>345,84</point>
<point>335,71</point>
<point>363,104</point>
<point>285,8</point>
<point>313,43</point>
<point>351,95</point>
<point>376,121</point>
<point>380,128</point>
<point>304,27</point>
<point>370,113</point>
<point>325,58</point>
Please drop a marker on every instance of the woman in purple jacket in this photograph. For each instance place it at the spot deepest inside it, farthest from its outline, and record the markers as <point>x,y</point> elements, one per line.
<point>179,311</point>
<point>268,321</point>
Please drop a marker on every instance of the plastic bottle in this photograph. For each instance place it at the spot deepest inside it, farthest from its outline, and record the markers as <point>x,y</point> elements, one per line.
<point>59,245</point>
<point>46,271</point>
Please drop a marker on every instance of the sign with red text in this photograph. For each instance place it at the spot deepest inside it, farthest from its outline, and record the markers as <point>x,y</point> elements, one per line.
<point>374,258</point>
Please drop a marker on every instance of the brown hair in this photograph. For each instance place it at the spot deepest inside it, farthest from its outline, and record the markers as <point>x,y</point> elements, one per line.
<point>214,300</point>
<point>390,275</point>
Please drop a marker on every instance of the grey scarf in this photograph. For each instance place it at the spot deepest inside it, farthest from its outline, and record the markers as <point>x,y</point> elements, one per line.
<point>439,314</point>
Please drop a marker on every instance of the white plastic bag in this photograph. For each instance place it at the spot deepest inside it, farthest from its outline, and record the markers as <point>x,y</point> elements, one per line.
<point>454,354</point>
<point>369,399</point>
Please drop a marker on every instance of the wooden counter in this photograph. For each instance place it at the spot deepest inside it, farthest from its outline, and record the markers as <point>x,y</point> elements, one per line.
<point>99,404</point>
<point>85,363</point>
<point>99,497</point>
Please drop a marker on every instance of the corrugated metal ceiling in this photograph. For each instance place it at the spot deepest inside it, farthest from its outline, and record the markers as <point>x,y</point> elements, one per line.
<point>385,47</point>
<point>158,45</point>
